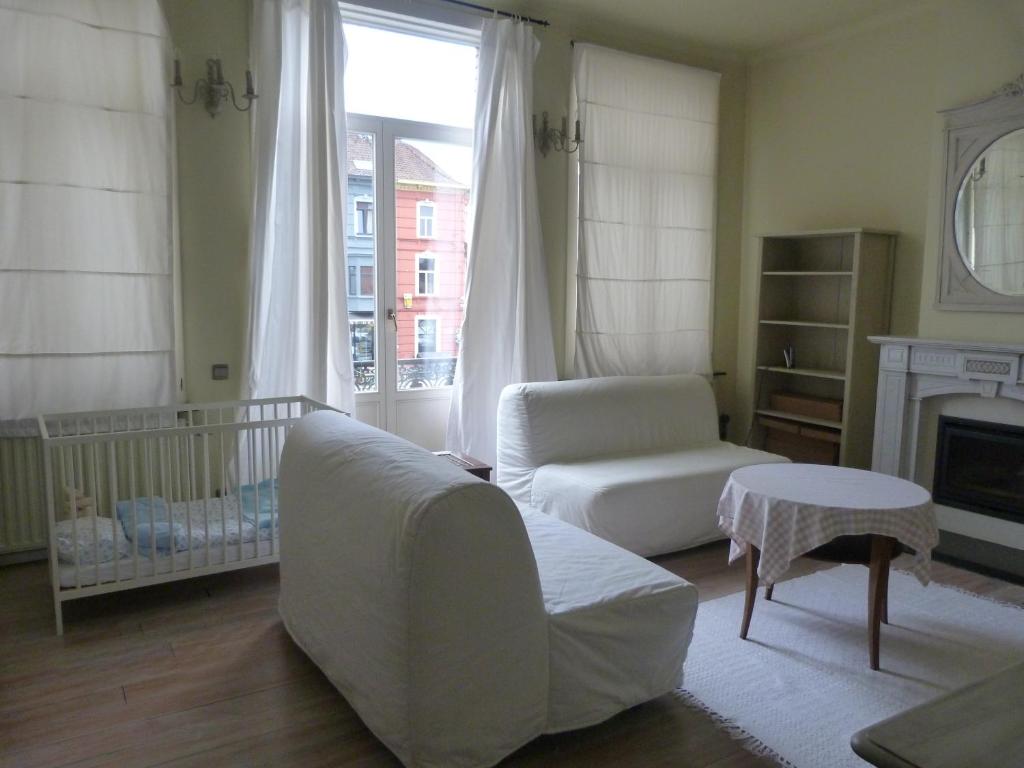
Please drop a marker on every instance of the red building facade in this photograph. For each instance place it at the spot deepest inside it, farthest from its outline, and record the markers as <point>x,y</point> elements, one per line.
<point>430,215</point>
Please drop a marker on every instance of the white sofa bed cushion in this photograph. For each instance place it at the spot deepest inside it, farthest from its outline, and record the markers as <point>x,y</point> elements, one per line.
<point>619,626</point>
<point>635,460</point>
<point>647,503</point>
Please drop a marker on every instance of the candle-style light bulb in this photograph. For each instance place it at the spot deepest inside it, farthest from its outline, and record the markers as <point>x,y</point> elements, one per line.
<point>249,91</point>
<point>219,71</point>
<point>577,138</point>
<point>177,74</point>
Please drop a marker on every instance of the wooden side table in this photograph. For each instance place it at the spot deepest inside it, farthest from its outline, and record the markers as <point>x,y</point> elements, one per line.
<point>775,513</point>
<point>472,465</point>
<point>876,552</point>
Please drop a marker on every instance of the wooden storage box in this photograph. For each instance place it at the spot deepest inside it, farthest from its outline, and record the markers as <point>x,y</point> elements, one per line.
<point>802,443</point>
<point>813,407</point>
<point>801,448</point>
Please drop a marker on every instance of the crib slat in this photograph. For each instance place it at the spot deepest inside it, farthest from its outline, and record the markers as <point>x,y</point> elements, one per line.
<point>95,510</point>
<point>112,491</point>
<point>238,507</point>
<point>133,496</point>
<point>152,501</point>
<point>206,492</point>
<point>274,485</point>
<point>223,500</point>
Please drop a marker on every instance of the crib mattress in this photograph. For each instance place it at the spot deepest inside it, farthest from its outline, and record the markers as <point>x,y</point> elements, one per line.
<point>193,526</point>
<point>123,570</point>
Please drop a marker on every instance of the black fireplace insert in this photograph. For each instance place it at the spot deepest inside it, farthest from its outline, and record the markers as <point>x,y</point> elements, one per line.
<point>979,466</point>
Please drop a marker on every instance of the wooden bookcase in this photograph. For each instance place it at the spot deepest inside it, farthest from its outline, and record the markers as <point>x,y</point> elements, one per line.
<point>824,293</point>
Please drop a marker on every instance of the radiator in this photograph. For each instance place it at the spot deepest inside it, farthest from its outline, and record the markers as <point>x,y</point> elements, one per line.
<point>22,503</point>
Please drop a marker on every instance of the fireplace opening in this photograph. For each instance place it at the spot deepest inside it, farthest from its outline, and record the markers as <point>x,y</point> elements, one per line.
<point>979,466</point>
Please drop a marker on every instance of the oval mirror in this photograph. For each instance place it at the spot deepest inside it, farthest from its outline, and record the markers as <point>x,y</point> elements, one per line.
<point>989,216</point>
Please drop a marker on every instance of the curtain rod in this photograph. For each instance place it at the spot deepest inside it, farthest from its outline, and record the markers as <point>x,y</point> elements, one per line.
<point>506,14</point>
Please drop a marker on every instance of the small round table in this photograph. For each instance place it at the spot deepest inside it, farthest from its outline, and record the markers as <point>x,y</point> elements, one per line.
<point>775,513</point>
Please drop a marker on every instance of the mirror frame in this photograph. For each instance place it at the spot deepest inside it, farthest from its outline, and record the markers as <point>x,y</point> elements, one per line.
<point>970,130</point>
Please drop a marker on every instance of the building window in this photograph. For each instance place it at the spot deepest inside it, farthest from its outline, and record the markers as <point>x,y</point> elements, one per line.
<point>428,329</point>
<point>360,280</point>
<point>425,211</point>
<point>362,340</point>
<point>363,217</point>
<point>426,275</point>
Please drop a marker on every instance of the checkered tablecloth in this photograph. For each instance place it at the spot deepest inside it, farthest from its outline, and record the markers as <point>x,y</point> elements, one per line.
<point>786,510</point>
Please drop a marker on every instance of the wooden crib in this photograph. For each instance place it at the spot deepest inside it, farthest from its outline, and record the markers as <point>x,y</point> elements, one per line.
<point>149,495</point>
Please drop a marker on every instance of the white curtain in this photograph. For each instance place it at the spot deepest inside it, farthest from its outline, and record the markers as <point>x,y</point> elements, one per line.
<point>298,337</point>
<point>506,333</point>
<point>646,227</point>
<point>86,207</point>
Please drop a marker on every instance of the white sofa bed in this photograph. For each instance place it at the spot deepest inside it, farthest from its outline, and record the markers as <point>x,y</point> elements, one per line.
<point>457,626</point>
<point>635,460</point>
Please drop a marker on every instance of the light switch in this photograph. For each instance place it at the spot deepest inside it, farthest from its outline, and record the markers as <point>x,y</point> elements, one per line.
<point>220,371</point>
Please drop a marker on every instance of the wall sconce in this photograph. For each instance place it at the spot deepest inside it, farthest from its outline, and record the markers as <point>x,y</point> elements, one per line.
<point>407,300</point>
<point>214,89</point>
<point>547,138</point>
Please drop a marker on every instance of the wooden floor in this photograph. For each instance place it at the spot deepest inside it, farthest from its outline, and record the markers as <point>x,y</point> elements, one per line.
<point>201,673</point>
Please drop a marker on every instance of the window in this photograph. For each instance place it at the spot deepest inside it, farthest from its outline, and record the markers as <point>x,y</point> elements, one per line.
<point>427,333</point>
<point>363,219</point>
<point>366,281</point>
<point>360,280</point>
<point>425,143</point>
<point>426,275</point>
<point>672,113</point>
<point>362,340</point>
<point>425,219</point>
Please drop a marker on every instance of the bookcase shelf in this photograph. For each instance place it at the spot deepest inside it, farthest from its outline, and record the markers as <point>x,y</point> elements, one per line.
<point>805,323</point>
<point>822,293</point>
<point>797,417</point>
<point>814,373</point>
<point>806,273</point>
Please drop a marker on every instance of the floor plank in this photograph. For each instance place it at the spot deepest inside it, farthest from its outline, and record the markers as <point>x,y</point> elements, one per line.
<point>202,673</point>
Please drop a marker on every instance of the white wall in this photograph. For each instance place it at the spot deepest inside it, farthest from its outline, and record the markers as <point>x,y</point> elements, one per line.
<point>844,131</point>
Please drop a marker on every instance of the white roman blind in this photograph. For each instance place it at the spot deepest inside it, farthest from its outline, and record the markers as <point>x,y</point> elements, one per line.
<point>646,226</point>
<point>86,217</point>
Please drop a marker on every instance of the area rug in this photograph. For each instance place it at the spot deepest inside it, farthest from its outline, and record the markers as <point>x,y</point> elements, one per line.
<point>800,686</point>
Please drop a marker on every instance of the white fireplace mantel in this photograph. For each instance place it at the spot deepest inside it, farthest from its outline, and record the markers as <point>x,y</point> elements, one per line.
<point>910,370</point>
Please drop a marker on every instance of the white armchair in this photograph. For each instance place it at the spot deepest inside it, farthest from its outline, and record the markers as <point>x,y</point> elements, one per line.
<point>635,460</point>
<point>457,627</point>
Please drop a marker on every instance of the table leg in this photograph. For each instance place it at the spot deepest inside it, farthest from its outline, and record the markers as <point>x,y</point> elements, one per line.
<point>878,581</point>
<point>885,597</point>
<point>753,557</point>
<point>768,591</point>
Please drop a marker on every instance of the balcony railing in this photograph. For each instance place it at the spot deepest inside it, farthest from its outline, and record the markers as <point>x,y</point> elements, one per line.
<point>413,373</point>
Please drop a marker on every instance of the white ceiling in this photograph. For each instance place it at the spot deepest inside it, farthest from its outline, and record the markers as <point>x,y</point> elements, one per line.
<point>745,27</point>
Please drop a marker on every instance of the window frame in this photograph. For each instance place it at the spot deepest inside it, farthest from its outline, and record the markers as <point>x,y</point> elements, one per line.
<point>356,218</point>
<point>354,278</point>
<point>373,335</point>
<point>432,272</point>
<point>420,219</point>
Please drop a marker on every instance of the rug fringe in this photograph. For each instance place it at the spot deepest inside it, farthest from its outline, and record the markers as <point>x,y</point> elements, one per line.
<point>733,730</point>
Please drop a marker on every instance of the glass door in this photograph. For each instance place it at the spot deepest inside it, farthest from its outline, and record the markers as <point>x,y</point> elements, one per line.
<point>362,274</point>
<point>408,205</point>
<point>432,170</point>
